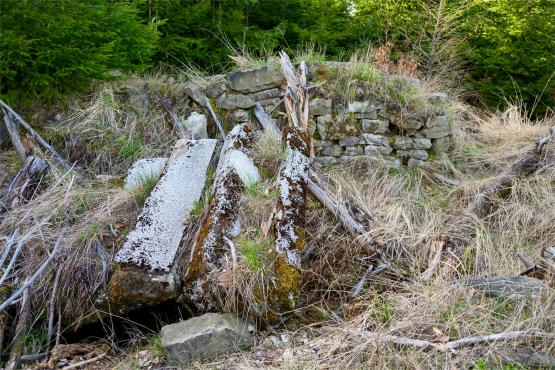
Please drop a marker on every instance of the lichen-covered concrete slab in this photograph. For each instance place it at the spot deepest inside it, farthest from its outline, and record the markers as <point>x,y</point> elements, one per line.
<point>154,242</point>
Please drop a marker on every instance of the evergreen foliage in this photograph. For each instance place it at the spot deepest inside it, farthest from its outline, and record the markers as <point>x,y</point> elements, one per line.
<point>52,48</point>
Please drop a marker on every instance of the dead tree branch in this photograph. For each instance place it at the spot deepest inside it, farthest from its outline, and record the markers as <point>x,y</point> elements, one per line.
<point>37,137</point>
<point>177,124</point>
<point>14,135</point>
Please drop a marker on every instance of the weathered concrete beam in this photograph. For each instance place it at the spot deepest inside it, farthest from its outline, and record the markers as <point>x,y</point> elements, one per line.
<point>147,260</point>
<point>221,219</point>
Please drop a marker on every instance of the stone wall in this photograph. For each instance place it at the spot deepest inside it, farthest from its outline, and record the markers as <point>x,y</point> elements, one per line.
<point>340,130</point>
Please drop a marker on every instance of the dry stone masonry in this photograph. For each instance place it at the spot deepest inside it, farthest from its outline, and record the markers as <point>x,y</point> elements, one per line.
<point>340,131</point>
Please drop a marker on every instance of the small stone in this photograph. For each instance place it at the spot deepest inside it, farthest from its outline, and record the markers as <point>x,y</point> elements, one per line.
<point>193,92</point>
<point>417,163</point>
<point>375,126</point>
<point>437,97</point>
<point>441,145</point>
<point>196,124</point>
<point>403,142</point>
<point>234,101</point>
<point>438,122</point>
<point>376,149</point>
<point>252,80</point>
<point>354,150</point>
<point>422,143</point>
<point>417,154</point>
<point>143,169</point>
<point>216,86</point>
<point>322,122</point>
<point>205,336</point>
<point>287,355</point>
<point>240,115</point>
<point>373,139</point>
<point>404,82</point>
<point>516,286</point>
<point>349,141</point>
<point>371,114</point>
<point>266,94</point>
<point>360,107</point>
<point>270,103</point>
<point>325,161</point>
<point>436,133</point>
<point>320,107</point>
<point>393,162</point>
<point>331,151</point>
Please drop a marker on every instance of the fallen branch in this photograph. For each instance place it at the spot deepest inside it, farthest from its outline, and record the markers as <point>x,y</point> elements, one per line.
<point>38,138</point>
<point>84,362</point>
<point>452,345</point>
<point>267,123</point>
<point>33,277</point>
<point>177,124</point>
<point>194,93</point>
<point>20,332</point>
<point>464,223</point>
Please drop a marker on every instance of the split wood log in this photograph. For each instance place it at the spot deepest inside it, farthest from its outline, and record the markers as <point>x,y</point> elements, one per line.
<point>24,184</point>
<point>288,220</point>
<point>37,137</point>
<point>296,93</point>
<point>463,224</point>
<point>177,124</point>
<point>14,135</point>
<point>235,170</point>
<point>267,123</point>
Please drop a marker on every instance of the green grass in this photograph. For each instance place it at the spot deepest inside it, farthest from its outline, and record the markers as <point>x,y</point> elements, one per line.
<point>142,190</point>
<point>129,147</point>
<point>253,252</point>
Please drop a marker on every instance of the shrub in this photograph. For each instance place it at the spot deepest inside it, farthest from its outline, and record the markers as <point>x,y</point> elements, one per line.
<point>51,48</point>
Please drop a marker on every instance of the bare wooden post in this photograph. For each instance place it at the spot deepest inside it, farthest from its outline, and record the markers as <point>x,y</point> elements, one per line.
<point>221,219</point>
<point>177,124</point>
<point>14,135</point>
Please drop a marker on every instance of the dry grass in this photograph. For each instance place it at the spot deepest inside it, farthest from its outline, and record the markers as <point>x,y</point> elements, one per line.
<point>410,210</point>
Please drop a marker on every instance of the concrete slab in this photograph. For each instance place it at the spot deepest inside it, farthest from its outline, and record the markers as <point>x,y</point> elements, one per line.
<point>153,244</point>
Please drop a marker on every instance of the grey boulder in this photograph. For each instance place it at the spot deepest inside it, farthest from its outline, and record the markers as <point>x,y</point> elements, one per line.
<point>205,336</point>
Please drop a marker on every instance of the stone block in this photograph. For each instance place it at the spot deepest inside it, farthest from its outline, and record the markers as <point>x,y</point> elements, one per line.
<point>331,151</point>
<point>325,161</point>
<point>376,149</point>
<point>437,97</point>
<point>196,124</point>
<point>360,107</point>
<point>441,145</point>
<point>240,115</point>
<point>270,104</point>
<point>253,80</point>
<point>416,154</point>
<point>234,101</point>
<point>441,122</point>
<point>322,143</point>
<point>216,86</point>
<point>143,169</point>
<point>320,107</point>
<point>322,122</point>
<point>373,139</point>
<point>403,142</point>
<point>339,128</point>
<point>205,337</point>
<point>417,163</point>
<point>393,162</point>
<point>354,150</point>
<point>371,114</point>
<point>376,126</point>
<point>266,94</point>
<point>422,143</point>
<point>436,132</point>
<point>350,140</point>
